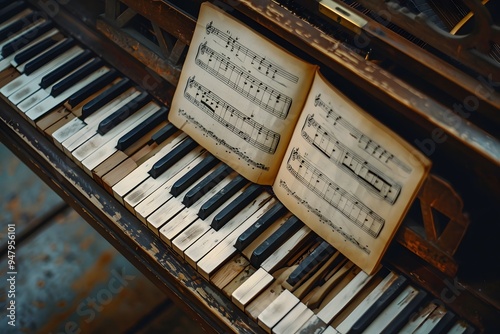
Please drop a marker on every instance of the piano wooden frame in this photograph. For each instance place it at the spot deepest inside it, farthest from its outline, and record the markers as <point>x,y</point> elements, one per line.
<point>148,253</point>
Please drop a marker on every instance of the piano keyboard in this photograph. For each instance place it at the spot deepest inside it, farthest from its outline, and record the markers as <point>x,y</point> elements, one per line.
<point>234,233</point>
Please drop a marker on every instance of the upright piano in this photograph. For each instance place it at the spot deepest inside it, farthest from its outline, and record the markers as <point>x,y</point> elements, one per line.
<point>429,70</point>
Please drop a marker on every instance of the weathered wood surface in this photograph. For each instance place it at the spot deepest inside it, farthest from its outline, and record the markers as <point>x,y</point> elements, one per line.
<point>68,276</point>
<point>123,230</point>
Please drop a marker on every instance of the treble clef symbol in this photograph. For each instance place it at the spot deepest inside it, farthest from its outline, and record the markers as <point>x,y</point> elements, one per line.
<point>310,120</point>
<point>210,28</point>
<point>203,47</point>
<point>317,100</point>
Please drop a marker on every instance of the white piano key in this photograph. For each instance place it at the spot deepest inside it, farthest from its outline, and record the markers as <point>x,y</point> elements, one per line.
<point>26,85</point>
<point>211,238</point>
<point>192,233</point>
<point>138,175</point>
<point>330,330</point>
<point>225,249</point>
<point>277,257</point>
<point>200,228</point>
<point>108,148</point>
<point>19,16</point>
<point>67,130</point>
<point>293,320</point>
<point>51,102</point>
<point>314,325</point>
<point>150,184</point>
<point>32,100</point>
<point>28,29</point>
<point>416,321</point>
<point>277,310</point>
<point>247,251</point>
<point>39,94</point>
<point>162,195</point>
<point>9,60</point>
<point>20,67</point>
<point>247,291</point>
<point>374,295</point>
<point>173,217</point>
<point>431,321</point>
<point>458,328</point>
<point>97,141</point>
<point>337,304</point>
<point>48,34</point>
<point>88,128</point>
<point>392,310</point>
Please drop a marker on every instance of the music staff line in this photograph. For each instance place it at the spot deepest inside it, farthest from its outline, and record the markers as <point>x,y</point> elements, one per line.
<point>321,217</point>
<point>338,198</point>
<point>264,66</point>
<point>364,142</point>
<point>222,142</point>
<point>248,86</point>
<point>232,119</point>
<point>369,176</point>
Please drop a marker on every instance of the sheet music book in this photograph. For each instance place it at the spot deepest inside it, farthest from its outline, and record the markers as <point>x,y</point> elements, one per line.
<point>277,121</point>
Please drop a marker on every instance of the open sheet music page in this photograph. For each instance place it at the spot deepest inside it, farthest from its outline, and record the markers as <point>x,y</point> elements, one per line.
<point>239,95</point>
<point>348,177</point>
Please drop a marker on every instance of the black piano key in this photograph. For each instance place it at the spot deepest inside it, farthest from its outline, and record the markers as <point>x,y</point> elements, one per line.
<point>234,207</point>
<point>172,157</point>
<point>139,131</point>
<point>25,39</point>
<point>193,175</point>
<point>376,308</point>
<point>44,58</point>
<point>11,10</point>
<point>34,50</point>
<point>121,114</point>
<point>214,202</point>
<point>206,185</point>
<point>105,97</point>
<point>318,255</point>
<point>76,76</point>
<point>402,318</point>
<point>17,26</point>
<point>246,238</point>
<point>92,88</point>
<point>444,324</point>
<point>161,135</point>
<point>65,68</point>
<point>271,244</point>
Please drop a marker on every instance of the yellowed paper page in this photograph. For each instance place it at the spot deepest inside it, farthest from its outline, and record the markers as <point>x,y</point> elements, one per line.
<point>239,95</point>
<point>348,177</point>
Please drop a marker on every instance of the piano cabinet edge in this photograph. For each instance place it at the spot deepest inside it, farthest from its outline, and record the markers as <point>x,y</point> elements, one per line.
<point>461,297</point>
<point>178,280</point>
<point>121,229</point>
<point>452,148</point>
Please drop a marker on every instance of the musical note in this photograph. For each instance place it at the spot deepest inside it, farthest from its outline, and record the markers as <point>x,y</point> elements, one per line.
<point>242,82</point>
<point>367,174</point>
<point>233,44</point>
<point>220,141</point>
<point>345,203</point>
<point>364,142</point>
<point>323,218</point>
<point>237,122</point>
